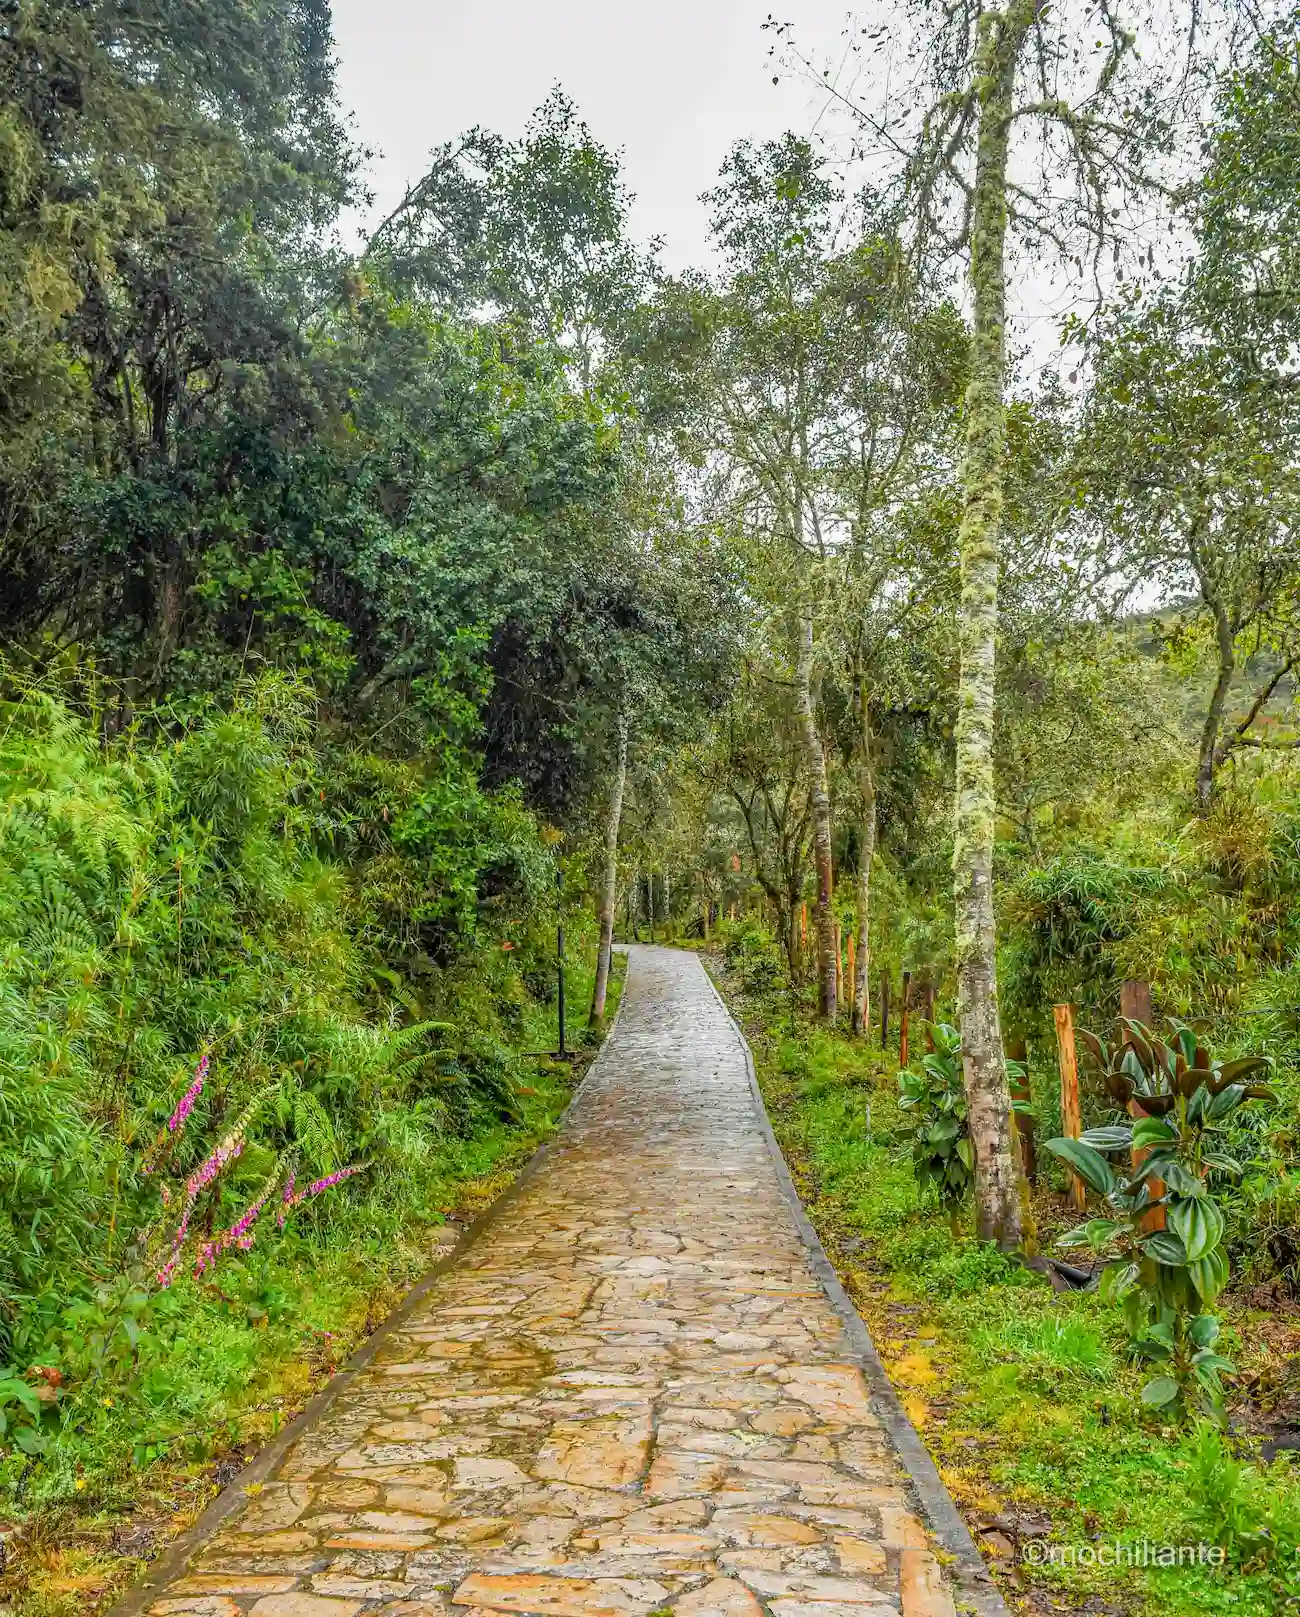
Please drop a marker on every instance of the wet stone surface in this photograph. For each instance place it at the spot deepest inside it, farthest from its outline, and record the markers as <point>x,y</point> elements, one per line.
<point>629,1395</point>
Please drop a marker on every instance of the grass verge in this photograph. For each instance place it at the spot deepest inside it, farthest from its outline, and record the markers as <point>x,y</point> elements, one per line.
<point>1026,1398</point>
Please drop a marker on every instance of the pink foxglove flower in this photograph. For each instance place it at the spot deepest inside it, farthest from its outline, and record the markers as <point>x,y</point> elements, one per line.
<point>316,1187</point>
<point>286,1201</point>
<point>198,1182</point>
<point>176,1122</point>
<point>175,1125</point>
<point>239,1234</point>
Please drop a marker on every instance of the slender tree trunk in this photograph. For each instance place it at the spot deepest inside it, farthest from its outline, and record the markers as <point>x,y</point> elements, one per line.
<point>790,937</point>
<point>1208,757</point>
<point>866,778</point>
<point>613,819</point>
<point>820,798</point>
<point>997,1202</point>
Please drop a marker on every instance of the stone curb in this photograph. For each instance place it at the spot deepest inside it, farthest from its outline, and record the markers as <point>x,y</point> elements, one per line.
<point>973,1585</point>
<point>177,1556</point>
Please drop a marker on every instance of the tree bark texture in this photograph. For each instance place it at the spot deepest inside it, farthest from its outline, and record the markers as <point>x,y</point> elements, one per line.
<point>997,1202</point>
<point>820,798</point>
<point>1208,755</point>
<point>613,819</point>
<point>866,782</point>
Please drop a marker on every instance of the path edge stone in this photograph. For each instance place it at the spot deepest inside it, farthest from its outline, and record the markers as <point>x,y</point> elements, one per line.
<point>173,1561</point>
<point>972,1581</point>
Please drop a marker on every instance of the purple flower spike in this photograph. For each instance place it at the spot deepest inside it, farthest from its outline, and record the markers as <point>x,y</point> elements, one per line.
<point>315,1188</point>
<point>176,1122</point>
<point>318,1185</point>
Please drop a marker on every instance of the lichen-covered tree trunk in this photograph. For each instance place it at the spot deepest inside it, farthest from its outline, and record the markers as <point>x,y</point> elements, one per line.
<point>1208,756</point>
<point>997,1202</point>
<point>864,769</point>
<point>613,819</point>
<point>820,797</point>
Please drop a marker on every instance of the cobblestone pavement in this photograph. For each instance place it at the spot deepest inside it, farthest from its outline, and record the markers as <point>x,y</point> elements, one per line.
<point>629,1394</point>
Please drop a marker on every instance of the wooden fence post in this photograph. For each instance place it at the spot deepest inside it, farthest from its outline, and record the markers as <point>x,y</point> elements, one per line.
<point>884,1009</point>
<point>1135,1004</point>
<point>1071,1121</point>
<point>928,995</point>
<point>1135,1000</point>
<point>903,1051</point>
<point>1018,1051</point>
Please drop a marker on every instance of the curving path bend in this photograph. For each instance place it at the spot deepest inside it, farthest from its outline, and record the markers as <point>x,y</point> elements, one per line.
<point>629,1393</point>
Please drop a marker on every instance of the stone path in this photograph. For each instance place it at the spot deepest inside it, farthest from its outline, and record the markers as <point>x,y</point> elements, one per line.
<point>629,1394</point>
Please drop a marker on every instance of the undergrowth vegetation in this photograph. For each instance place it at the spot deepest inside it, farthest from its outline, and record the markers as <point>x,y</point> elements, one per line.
<point>234,1081</point>
<point>1029,1398</point>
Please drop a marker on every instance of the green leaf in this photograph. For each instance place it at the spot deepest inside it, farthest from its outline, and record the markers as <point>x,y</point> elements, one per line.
<point>30,1440</point>
<point>1224,1103</point>
<point>12,1390</point>
<point>965,1152</point>
<point>1233,1072</point>
<point>1162,1334</point>
<point>1198,1222</point>
<point>1223,1162</point>
<point>1100,1230</point>
<point>1181,1180</point>
<point>1075,1237</point>
<point>1148,1131</point>
<point>1159,1392</point>
<point>1209,1274</point>
<point>1114,1138</point>
<point>1090,1165</point>
<point>1118,1280</point>
<point>1204,1330</point>
<point>1166,1248</point>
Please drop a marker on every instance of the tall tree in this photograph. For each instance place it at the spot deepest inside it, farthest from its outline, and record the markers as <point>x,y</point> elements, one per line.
<point>994,84</point>
<point>1187,464</point>
<point>609,875</point>
<point>812,380</point>
<point>166,173</point>
<point>533,231</point>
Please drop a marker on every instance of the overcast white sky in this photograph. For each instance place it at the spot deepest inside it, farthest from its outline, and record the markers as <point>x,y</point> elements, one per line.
<point>673,83</point>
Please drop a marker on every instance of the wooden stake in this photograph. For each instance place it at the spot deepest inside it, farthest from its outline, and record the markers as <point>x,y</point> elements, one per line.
<point>1018,1051</point>
<point>902,1026</point>
<point>1135,1004</point>
<point>1071,1120</point>
<point>884,1009</point>
<point>839,968</point>
<point>803,926</point>
<point>1135,1001</point>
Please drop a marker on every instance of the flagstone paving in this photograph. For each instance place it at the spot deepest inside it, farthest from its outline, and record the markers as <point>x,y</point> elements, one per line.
<point>629,1394</point>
